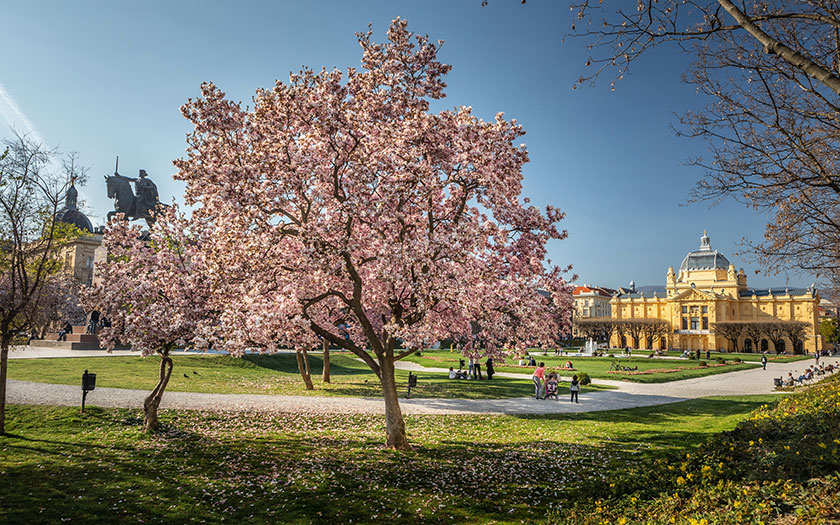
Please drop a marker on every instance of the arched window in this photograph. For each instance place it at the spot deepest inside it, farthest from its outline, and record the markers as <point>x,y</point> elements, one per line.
<point>748,345</point>
<point>764,345</point>
<point>780,347</point>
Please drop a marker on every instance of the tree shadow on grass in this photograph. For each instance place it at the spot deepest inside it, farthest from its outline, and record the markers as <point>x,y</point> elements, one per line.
<point>304,469</point>
<point>340,365</point>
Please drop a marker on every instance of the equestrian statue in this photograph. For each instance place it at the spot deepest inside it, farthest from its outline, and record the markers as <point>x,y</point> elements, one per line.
<point>139,206</point>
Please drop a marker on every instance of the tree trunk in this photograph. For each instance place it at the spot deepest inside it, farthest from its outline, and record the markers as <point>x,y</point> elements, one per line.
<point>326,346</point>
<point>151,404</point>
<point>394,424</point>
<point>303,368</point>
<point>4,361</point>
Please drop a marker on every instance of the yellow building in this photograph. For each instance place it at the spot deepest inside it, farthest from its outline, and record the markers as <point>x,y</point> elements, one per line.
<point>708,290</point>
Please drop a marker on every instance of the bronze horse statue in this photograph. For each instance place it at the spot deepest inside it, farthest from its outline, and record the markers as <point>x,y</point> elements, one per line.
<point>125,201</point>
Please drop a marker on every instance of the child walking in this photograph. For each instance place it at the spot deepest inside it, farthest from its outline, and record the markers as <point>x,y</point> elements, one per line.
<point>574,388</point>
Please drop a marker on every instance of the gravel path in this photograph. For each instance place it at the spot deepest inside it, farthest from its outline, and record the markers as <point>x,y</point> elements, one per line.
<point>627,395</point>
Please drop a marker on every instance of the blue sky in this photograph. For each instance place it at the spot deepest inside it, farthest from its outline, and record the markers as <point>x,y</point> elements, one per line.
<point>108,78</point>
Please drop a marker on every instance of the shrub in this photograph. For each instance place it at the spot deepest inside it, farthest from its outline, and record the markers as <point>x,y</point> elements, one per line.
<point>692,356</point>
<point>721,361</point>
<point>703,363</point>
<point>650,354</point>
<point>610,355</point>
<point>736,360</point>
<point>584,378</point>
<point>778,466</point>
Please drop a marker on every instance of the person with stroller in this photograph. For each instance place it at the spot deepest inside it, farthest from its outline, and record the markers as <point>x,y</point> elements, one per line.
<point>551,387</point>
<point>538,376</point>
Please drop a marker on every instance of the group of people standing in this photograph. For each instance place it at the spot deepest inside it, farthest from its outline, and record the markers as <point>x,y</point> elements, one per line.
<point>546,387</point>
<point>474,370</point>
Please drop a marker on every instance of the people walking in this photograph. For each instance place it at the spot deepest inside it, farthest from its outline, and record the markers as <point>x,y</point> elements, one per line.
<point>574,388</point>
<point>538,376</point>
<point>764,361</point>
<point>489,367</point>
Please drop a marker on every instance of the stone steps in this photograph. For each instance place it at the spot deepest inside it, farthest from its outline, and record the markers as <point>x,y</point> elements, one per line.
<point>66,345</point>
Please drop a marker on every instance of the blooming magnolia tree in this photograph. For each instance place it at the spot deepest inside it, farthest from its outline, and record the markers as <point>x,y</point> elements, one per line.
<point>344,209</point>
<point>154,293</point>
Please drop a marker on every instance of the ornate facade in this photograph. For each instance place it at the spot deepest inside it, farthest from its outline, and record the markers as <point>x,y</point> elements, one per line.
<point>708,290</point>
<point>79,255</point>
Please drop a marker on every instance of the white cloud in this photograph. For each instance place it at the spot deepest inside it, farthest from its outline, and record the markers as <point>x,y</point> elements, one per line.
<point>14,117</point>
<point>17,121</point>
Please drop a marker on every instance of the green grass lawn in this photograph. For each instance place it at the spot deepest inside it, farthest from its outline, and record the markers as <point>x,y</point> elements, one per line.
<point>596,367</point>
<point>258,374</point>
<point>60,465</point>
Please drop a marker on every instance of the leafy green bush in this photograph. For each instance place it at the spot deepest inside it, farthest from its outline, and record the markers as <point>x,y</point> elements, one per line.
<point>703,363</point>
<point>692,356</point>
<point>721,361</point>
<point>584,378</point>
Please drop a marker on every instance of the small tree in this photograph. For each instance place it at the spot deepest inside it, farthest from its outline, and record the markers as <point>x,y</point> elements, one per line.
<point>795,332</point>
<point>357,199</point>
<point>635,328</point>
<point>654,330</point>
<point>58,299</point>
<point>775,332</point>
<point>753,331</point>
<point>731,331</point>
<point>589,328</point>
<point>155,290</point>
<point>829,331</point>
<point>31,190</point>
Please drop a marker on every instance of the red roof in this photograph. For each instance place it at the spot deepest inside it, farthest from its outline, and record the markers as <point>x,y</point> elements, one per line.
<point>604,292</point>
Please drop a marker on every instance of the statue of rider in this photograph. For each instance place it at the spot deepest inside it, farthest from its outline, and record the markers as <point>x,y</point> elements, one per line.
<point>147,195</point>
<point>146,191</point>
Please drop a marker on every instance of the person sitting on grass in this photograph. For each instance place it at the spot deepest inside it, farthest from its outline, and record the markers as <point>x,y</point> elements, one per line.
<point>569,366</point>
<point>460,374</point>
<point>532,361</point>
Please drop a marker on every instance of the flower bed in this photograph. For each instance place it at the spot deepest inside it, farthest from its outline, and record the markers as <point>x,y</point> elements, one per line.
<point>661,370</point>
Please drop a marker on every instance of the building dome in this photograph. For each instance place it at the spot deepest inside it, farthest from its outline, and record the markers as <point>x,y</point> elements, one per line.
<point>70,214</point>
<point>705,258</point>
